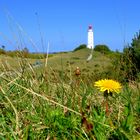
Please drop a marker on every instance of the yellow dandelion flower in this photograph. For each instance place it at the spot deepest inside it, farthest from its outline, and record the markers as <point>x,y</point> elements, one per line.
<point>108,85</point>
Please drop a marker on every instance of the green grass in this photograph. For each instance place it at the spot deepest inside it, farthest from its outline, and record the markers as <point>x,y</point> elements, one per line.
<point>13,63</point>
<point>53,103</point>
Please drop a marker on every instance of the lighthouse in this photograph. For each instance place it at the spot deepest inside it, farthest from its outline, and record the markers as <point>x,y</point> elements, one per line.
<point>90,43</point>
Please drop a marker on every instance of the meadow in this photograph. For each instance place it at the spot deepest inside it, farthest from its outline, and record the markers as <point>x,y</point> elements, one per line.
<point>51,101</point>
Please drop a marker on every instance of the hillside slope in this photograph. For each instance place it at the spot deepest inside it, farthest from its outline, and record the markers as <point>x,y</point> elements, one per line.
<point>79,59</point>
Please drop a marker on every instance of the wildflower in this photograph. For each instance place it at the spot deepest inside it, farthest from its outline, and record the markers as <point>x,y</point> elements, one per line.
<point>77,71</point>
<point>108,86</point>
<point>77,74</point>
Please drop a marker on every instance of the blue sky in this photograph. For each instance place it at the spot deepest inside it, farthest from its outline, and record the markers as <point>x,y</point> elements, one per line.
<point>64,23</point>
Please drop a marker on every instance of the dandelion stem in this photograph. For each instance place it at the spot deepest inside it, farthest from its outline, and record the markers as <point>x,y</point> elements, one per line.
<point>107,107</point>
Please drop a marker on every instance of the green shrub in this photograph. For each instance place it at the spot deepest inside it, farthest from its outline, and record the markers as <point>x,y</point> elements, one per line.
<point>126,64</point>
<point>131,58</point>
<point>82,46</point>
<point>102,48</point>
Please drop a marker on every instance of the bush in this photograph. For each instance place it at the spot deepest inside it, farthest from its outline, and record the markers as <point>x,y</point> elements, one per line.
<point>127,66</point>
<point>102,48</point>
<point>82,46</point>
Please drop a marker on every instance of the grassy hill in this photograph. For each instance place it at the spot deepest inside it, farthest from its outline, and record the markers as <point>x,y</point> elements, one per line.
<point>78,59</point>
<point>66,62</point>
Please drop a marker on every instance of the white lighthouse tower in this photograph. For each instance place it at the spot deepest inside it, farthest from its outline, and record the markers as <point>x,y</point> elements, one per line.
<point>90,43</point>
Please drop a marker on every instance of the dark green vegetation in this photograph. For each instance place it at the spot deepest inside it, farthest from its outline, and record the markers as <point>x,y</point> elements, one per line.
<point>102,48</point>
<point>129,61</point>
<point>46,98</point>
<point>82,46</point>
<point>24,53</point>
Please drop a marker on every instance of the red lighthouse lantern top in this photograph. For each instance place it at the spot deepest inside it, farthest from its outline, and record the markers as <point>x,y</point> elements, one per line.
<point>90,27</point>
